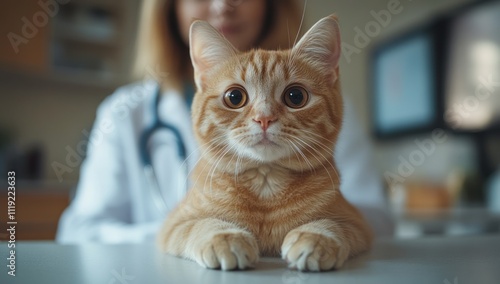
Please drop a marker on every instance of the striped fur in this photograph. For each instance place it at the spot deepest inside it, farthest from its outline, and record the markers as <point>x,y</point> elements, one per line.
<point>280,198</point>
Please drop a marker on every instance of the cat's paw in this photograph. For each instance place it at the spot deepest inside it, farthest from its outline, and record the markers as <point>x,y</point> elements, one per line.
<point>228,251</point>
<point>313,252</point>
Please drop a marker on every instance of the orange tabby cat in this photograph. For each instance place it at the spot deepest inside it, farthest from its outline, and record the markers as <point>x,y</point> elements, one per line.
<point>266,182</point>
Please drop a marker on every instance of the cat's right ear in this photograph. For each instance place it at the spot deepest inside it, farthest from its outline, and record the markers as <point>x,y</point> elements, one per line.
<point>207,48</point>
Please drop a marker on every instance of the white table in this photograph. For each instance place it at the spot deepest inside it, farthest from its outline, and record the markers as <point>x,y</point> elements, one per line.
<point>469,260</point>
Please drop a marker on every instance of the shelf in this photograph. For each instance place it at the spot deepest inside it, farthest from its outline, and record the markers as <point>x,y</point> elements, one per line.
<point>86,34</point>
<point>63,76</point>
<point>106,4</point>
<point>89,43</point>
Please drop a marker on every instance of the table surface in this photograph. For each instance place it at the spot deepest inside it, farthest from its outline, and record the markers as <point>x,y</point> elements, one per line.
<point>427,260</point>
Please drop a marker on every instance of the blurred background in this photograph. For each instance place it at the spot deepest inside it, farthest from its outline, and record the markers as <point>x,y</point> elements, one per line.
<point>423,76</point>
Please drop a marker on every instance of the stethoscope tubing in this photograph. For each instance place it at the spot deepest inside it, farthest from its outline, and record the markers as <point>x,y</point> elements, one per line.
<point>149,171</point>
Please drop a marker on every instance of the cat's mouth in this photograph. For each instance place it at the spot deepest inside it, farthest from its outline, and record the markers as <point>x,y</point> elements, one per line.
<point>263,148</point>
<point>265,141</point>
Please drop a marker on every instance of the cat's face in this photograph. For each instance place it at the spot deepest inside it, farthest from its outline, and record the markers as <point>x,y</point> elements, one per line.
<point>268,106</point>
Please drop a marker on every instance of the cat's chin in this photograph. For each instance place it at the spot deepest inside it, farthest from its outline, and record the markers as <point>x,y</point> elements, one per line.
<point>265,151</point>
<point>265,142</point>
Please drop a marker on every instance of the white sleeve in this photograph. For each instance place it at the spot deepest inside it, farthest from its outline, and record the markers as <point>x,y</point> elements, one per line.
<point>101,209</point>
<point>360,182</point>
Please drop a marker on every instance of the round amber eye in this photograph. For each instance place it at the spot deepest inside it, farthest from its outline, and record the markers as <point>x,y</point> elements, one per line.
<point>235,97</point>
<point>295,97</point>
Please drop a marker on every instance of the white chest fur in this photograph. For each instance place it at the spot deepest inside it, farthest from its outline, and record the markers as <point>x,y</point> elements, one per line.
<point>266,181</point>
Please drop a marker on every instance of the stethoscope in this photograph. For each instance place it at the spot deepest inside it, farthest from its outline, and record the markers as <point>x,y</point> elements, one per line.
<point>156,125</point>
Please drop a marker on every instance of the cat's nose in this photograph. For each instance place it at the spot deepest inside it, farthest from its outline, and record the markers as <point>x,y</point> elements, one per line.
<point>264,121</point>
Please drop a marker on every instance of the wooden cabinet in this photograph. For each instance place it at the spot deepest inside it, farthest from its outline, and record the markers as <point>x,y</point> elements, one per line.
<point>25,35</point>
<point>86,41</point>
<point>37,213</point>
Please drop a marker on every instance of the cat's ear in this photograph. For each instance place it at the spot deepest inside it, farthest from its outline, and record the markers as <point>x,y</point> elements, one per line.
<point>321,45</point>
<point>207,48</point>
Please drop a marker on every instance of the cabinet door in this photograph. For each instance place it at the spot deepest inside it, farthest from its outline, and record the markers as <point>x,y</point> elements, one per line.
<point>25,33</point>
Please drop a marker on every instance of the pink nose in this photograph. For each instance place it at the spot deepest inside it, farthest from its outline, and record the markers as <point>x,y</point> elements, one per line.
<point>264,121</point>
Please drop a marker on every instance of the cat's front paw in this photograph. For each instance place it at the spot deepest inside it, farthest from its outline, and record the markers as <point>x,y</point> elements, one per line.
<point>313,252</point>
<point>228,251</point>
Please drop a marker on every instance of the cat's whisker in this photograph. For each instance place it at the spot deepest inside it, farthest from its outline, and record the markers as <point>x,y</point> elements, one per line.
<point>289,157</point>
<point>210,144</point>
<point>231,148</point>
<point>237,169</point>
<point>317,135</point>
<point>301,22</point>
<point>229,163</point>
<point>219,153</point>
<point>235,153</point>
<point>294,151</point>
<point>217,160</point>
<point>327,149</point>
<point>202,153</point>
<point>199,147</point>
<point>292,55</point>
<point>206,164</point>
<point>217,163</point>
<point>329,163</point>
<point>306,148</point>
<point>322,145</point>
<point>303,155</point>
<point>322,164</point>
<point>288,32</point>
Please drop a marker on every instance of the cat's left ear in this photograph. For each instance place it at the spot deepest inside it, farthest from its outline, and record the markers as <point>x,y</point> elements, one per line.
<point>207,48</point>
<point>321,45</point>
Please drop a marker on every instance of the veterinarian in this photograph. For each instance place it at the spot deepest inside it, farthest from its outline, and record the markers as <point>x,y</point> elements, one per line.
<point>141,145</point>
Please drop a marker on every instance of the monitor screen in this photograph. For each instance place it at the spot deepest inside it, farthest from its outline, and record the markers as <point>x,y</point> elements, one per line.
<point>472,92</point>
<point>404,87</point>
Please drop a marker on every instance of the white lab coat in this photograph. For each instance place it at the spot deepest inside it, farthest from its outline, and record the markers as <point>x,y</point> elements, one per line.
<point>113,203</point>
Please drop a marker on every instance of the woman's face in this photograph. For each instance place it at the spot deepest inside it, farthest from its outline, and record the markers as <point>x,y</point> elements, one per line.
<point>240,21</point>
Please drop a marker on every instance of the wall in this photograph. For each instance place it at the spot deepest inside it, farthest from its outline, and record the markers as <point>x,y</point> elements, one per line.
<point>52,115</point>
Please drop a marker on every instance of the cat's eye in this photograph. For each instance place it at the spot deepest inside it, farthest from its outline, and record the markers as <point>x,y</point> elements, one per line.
<point>235,97</point>
<point>295,97</point>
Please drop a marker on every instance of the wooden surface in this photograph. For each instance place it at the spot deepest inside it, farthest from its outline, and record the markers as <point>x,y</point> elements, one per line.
<point>37,212</point>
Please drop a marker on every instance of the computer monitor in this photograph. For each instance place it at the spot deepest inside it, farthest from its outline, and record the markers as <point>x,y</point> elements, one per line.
<point>404,89</point>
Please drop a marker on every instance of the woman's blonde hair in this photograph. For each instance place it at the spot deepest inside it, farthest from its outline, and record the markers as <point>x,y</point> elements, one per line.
<point>162,54</point>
